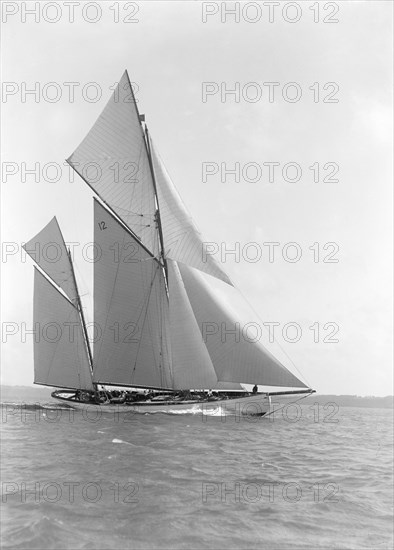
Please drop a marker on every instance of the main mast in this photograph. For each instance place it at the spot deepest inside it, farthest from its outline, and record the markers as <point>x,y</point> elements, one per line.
<point>145,133</point>
<point>157,214</point>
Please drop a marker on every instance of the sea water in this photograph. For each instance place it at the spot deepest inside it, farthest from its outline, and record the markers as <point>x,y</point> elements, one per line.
<point>308,477</point>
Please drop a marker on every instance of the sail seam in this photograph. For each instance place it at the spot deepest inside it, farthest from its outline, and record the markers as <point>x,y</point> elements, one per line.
<point>147,300</point>
<point>55,286</point>
<point>110,301</point>
<point>112,211</point>
<point>124,226</point>
<point>73,356</point>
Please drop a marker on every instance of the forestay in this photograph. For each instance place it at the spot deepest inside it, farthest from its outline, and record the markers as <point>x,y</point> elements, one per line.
<point>234,357</point>
<point>130,309</point>
<point>60,356</point>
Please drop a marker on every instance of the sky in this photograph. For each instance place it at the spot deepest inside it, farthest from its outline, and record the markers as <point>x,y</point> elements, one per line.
<point>184,59</point>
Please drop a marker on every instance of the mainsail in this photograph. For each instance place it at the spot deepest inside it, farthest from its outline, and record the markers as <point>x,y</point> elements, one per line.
<point>60,354</point>
<point>130,309</point>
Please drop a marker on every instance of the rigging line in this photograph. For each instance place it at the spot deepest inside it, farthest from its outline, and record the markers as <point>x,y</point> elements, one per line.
<point>109,208</point>
<point>157,305</point>
<point>131,213</point>
<point>111,299</point>
<point>150,259</point>
<point>166,329</point>
<point>158,235</point>
<point>152,334</point>
<point>134,186</point>
<point>144,145</point>
<point>284,351</point>
<point>83,294</point>
<point>124,225</point>
<point>160,257</point>
<point>287,404</point>
<point>159,227</point>
<point>161,322</point>
<point>78,355</point>
<point>82,318</point>
<point>176,190</point>
<point>55,285</point>
<point>54,355</point>
<point>84,308</point>
<point>140,306</point>
<point>145,316</point>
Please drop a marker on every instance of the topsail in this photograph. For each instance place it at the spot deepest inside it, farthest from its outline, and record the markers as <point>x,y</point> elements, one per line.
<point>182,240</point>
<point>113,161</point>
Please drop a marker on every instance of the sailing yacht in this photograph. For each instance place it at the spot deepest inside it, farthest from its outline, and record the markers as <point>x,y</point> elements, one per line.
<point>150,298</point>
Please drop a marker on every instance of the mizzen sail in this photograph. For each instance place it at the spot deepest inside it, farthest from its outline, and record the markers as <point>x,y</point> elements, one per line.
<point>60,355</point>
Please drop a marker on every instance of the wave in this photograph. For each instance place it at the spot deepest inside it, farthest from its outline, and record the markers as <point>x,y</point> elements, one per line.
<point>217,411</point>
<point>34,406</point>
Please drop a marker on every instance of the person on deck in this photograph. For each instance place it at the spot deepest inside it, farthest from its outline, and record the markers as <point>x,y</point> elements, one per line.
<point>255,389</point>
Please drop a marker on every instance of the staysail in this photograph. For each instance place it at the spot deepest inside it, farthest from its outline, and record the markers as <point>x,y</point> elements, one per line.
<point>60,354</point>
<point>182,240</point>
<point>49,251</point>
<point>234,357</point>
<point>191,363</point>
<point>130,309</point>
<point>113,161</point>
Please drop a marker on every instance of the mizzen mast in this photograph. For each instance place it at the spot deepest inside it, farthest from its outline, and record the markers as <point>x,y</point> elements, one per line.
<point>81,314</point>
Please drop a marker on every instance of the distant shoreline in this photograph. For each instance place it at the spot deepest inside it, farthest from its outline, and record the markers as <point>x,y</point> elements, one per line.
<point>29,393</point>
<point>386,402</point>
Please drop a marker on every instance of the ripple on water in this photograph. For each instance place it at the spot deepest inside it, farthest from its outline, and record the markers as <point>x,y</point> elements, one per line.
<point>183,481</point>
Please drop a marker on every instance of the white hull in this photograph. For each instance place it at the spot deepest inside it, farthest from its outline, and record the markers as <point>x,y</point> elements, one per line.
<point>251,405</point>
